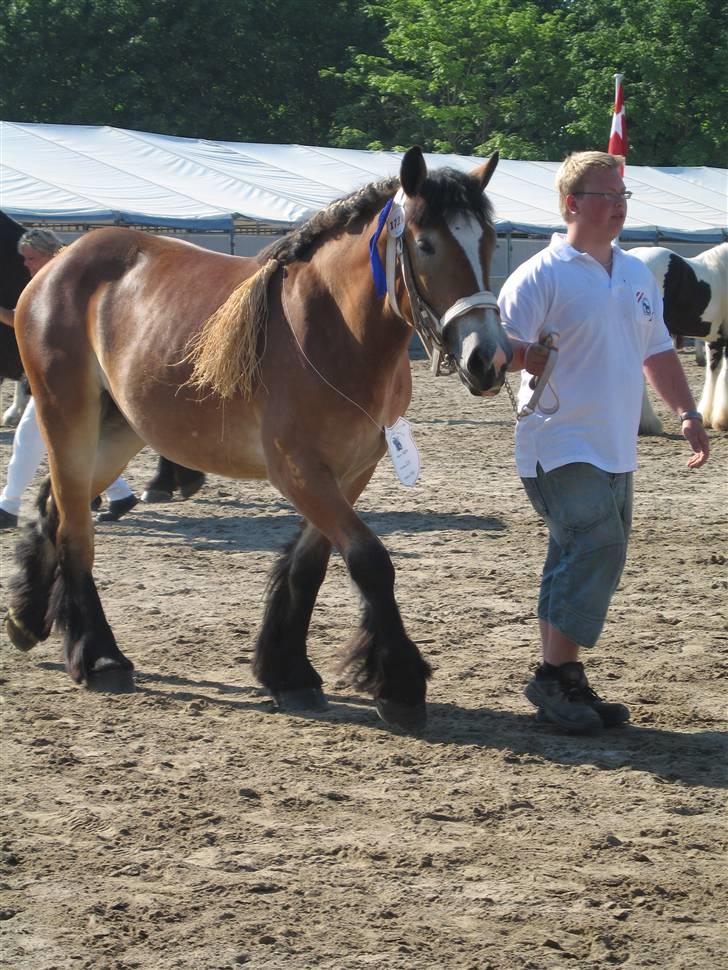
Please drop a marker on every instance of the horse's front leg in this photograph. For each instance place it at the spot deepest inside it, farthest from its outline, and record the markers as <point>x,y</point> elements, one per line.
<point>383,659</point>
<point>281,663</point>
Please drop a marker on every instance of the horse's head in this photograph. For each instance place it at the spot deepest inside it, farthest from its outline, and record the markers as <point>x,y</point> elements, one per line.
<point>447,244</point>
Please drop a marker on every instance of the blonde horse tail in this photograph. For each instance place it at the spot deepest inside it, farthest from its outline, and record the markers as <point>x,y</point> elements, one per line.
<point>224,353</point>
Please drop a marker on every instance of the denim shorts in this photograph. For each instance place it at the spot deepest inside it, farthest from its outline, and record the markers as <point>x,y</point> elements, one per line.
<point>589,515</point>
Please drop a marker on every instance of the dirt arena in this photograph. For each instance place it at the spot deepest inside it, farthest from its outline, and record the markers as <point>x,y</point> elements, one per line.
<point>188,826</point>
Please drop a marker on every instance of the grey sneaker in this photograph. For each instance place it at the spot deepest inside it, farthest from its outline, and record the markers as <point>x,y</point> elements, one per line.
<point>612,715</point>
<point>565,698</point>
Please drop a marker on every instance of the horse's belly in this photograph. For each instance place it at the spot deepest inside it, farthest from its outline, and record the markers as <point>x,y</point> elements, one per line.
<point>236,453</point>
<point>220,439</point>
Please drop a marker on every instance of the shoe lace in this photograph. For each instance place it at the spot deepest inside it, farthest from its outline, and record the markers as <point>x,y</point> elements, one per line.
<point>580,690</point>
<point>584,692</point>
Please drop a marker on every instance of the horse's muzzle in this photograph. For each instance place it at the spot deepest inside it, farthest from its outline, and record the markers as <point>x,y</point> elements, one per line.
<point>484,373</point>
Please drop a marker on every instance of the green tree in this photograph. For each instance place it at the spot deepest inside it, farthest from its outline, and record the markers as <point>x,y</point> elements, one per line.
<point>234,69</point>
<point>674,55</point>
<point>534,78</point>
<point>463,76</point>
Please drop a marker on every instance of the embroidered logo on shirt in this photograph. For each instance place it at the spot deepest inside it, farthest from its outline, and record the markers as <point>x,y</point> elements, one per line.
<point>644,303</point>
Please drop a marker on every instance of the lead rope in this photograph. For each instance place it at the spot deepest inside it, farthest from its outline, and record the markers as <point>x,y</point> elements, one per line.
<point>548,340</point>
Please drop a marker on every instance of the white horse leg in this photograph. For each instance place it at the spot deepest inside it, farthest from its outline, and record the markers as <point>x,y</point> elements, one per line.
<point>699,352</point>
<point>15,411</point>
<point>649,422</point>
<point>712,368</point>
<point>719,417</point>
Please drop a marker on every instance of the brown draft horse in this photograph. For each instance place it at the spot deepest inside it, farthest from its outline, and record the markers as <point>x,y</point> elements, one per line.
<point>286,367</point>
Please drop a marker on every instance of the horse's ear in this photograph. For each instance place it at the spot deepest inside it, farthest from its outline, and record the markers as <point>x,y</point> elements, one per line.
<point>483,173</point>
<point>413,171</point>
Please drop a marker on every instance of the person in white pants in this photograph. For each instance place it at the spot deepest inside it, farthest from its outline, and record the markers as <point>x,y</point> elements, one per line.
<point>29,450</point>
<point>37,247</point>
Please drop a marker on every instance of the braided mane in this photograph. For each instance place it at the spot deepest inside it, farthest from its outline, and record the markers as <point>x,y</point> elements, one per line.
<point>445,191</point>
<point>225,353</point>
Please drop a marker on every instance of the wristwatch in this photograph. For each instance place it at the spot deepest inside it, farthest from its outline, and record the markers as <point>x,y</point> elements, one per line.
<point>691,415</point>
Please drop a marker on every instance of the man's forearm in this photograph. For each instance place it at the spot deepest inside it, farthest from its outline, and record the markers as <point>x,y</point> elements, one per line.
<point>665,374</point>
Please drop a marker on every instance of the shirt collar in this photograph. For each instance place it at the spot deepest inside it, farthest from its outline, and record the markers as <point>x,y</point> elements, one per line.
<point>563,249</point>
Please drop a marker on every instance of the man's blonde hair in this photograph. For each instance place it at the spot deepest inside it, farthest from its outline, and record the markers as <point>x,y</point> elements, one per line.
<point>574,169</point>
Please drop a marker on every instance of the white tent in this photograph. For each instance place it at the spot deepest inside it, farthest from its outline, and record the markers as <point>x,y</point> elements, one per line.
<point>75,176</point>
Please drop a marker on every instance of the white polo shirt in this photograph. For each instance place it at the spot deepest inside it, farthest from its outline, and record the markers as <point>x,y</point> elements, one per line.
<point>606,328</point>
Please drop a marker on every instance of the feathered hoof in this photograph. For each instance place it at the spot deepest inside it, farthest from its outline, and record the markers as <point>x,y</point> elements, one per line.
<point>18,634</point>
<point>307,699</point>
<point>152,495</point>
<point>111,679</point>
<point>406,718</point>
<point>192,488</point>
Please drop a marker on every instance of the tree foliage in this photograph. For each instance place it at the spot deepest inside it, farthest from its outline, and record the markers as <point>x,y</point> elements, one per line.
<point>532,78</point>
<point>233,69</point>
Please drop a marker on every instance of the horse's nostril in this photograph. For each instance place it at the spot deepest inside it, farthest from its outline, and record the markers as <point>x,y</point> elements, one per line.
<point>482,372</point>
<point>500,361</point>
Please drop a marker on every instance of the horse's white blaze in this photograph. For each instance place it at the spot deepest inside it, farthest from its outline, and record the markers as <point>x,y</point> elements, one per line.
<point>469,232</point>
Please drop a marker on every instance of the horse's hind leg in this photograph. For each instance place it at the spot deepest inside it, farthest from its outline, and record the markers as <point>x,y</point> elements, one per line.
<point>281,663</point>
<point>91,652</point>
<point>161,487</point>
<point>189,481</point>
<point>27,620</point>
<point>169,477</point>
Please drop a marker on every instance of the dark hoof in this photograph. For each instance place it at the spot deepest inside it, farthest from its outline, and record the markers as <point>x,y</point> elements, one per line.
<point>111,680</point>
<point>18,634</point>
<point>192,488</point>
<point>408,718</point>
<point>152,495</point>
<point>298,701</point>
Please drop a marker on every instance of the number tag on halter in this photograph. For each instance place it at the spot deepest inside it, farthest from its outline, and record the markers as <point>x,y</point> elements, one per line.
<point>403,451</point>
<point>395,219</point>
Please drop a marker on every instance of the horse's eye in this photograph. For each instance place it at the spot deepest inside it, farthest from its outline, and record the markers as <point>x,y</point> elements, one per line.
<point>425,246</point>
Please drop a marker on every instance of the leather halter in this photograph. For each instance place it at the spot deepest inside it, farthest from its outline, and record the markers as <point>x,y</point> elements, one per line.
<point>427,325</point>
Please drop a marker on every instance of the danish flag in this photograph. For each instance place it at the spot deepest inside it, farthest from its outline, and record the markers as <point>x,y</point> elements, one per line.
<point>618,134</point>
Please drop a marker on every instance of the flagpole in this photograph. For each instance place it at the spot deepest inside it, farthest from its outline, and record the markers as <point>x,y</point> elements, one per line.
<point>618,134</point>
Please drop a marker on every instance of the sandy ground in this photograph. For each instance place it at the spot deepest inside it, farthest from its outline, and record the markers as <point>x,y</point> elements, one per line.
<point>188,826</point>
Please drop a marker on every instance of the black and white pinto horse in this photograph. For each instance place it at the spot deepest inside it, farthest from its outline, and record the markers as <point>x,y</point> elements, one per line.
<point>14,276</point>
<point>695,295</point>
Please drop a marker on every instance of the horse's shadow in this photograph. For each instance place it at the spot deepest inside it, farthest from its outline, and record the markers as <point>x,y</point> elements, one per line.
<point>696,758</point>
<point>270,532</point>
